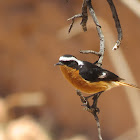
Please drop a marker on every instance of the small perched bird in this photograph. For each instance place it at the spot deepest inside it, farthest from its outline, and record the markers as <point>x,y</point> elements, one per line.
<point>88,77</point>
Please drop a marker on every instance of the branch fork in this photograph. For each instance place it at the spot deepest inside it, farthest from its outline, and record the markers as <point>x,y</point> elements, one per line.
<point>84,15</point>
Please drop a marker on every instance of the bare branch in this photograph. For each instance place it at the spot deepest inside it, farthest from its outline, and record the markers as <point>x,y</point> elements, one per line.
<point>101,36</point>
<point>92,109</point>
<point>84,16</point>
<point>117,23</point>
<point>90,51</point>
<point>73,18</point>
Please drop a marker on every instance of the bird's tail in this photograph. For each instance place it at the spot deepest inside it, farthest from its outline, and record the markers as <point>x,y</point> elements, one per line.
<point>126,84</point>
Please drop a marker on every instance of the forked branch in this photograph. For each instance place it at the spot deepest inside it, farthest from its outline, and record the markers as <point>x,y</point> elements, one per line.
<point>87,4</point>
<point>100,34</point>
<point>83,15</point>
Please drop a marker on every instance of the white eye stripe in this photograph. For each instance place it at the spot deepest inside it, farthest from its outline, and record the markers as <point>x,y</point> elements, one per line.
<point>63,58</point>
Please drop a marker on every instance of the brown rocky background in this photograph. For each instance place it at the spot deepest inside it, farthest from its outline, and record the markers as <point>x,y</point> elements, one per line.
<point>36,101</point>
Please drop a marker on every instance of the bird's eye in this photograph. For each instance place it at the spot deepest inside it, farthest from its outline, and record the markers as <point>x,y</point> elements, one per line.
<point>72,64</point>
<point>67,63</point>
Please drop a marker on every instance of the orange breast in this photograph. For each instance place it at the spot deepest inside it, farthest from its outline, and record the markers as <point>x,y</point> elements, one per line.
<point>72,75</point>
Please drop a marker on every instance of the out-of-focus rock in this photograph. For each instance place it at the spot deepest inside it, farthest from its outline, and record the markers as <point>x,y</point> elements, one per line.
<point>26,129</point>
<point>26,99</point>
<point>2,135</point>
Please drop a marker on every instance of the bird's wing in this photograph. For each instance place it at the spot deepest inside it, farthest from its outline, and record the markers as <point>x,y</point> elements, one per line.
<point>95,74</point>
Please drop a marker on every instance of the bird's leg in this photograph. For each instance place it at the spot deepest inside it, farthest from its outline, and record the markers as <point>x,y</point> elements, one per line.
<point>95,100</point>
<point>85,102</point>
<point>95,94</point>
<point>83,99</point>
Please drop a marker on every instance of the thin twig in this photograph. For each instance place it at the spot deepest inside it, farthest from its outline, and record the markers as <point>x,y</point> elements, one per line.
<point>73,18</point>
<point>84,17</point>
<point>90,51</point>
<point>117,23</point>
<point>92,109</point>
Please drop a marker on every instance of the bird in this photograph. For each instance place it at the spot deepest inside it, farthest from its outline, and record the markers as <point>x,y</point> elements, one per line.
<point>88,77</point>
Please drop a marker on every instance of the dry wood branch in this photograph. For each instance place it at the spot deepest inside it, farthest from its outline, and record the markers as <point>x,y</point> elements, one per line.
<point>73,18</point>
<point>92,108</point>
<point>101,36</point>
<point>84,17</point>
<point>90,51</point>
<point>117,23</point>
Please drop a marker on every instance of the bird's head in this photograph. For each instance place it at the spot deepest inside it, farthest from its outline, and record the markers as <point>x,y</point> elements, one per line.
<point>70,61</point>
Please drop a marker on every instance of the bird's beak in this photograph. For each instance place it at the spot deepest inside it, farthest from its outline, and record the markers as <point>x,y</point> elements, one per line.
<point>59,63</point>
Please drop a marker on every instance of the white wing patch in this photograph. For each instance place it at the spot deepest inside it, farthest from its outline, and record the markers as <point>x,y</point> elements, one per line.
<point>103,75</point>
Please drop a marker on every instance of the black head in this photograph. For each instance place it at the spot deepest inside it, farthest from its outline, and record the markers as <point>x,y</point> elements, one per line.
<point>70,61</point>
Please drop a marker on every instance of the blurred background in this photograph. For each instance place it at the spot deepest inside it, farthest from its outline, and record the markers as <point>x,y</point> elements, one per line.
<point>36,102</point>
